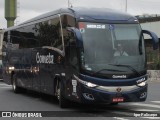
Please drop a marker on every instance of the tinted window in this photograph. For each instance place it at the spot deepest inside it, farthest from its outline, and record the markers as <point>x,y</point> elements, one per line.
<point>48,33</point>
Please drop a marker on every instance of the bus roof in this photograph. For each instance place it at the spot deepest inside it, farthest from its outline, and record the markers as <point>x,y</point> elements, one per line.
<point>87,14</point>
<point>102,14</point>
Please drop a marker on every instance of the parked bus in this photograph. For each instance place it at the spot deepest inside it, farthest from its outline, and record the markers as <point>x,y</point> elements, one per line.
<point>71,54</point>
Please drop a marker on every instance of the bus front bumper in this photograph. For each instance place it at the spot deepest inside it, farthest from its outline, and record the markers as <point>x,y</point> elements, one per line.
<point>114,94</point>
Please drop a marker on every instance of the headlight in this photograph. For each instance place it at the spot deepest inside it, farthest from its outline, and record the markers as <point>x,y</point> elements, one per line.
<point>142,84</point>
<point>11,68</point>
<point>88,84</point>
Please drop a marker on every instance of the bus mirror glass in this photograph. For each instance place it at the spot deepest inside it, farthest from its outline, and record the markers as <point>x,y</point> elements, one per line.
<point>155,39</point>
<point>77,35</point>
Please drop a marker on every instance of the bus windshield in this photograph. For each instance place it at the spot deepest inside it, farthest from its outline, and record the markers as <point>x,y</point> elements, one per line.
<point>112,47</point>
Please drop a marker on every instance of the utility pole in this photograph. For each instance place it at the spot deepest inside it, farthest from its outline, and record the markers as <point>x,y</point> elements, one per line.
<point>10,11</point>
<point>68,3</point>
<point>18,13</point>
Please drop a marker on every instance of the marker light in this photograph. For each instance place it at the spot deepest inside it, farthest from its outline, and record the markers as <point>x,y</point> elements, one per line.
<point>88,84</point>
<point>81,25</point>
<point>142,84</point>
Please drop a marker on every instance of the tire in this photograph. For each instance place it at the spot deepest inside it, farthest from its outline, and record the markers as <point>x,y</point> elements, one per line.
<point>15,88</point>
<point>63,103</point>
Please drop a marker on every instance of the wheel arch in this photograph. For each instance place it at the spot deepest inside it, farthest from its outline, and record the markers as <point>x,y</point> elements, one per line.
<point>12,74</point>
<point>57,79</point>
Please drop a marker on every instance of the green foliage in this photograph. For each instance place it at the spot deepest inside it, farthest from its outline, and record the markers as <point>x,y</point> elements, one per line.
<point>47,34</point>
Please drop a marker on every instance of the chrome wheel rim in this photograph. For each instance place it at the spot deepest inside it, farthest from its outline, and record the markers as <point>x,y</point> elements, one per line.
<point>58,93</point>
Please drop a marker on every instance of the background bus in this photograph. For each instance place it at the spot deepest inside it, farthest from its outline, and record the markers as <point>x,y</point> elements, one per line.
<point>70,53</point>
<point>1,42</point>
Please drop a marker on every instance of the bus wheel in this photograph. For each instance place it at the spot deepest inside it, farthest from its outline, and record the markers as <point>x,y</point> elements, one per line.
<point>16,89</point>
<point>62,101</point>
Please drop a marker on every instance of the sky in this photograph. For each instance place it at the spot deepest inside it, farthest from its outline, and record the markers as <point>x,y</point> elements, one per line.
<point>31,8</point>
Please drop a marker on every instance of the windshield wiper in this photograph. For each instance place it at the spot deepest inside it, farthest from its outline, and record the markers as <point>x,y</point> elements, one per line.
<point>128,66</point>
<point>106,70</point>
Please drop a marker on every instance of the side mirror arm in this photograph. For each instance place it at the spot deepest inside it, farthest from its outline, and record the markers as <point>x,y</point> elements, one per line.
<point>155,39</point>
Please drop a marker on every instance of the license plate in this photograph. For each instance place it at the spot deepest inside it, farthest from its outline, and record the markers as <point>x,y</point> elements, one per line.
<point>118,99</point>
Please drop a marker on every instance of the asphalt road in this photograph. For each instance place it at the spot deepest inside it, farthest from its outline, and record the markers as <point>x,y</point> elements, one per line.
<point>34,102</point>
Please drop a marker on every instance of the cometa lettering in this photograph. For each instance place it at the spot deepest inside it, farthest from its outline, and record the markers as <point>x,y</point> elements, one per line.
<point>45,59</point>
<point>119,76</point>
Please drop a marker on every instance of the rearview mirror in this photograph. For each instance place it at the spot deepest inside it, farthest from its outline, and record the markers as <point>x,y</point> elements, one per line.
<point>155,39</point>
<point>77,34</point>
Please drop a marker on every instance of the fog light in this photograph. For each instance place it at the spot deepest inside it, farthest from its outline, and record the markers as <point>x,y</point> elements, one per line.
<point>88,96</point>
<point>143,95</point>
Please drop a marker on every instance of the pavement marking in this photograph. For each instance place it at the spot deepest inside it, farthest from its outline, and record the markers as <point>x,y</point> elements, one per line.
<point>147,110</point>
<point>1,85</point>
<point>5,87</point>
<point>152,118</point>
<point>127,114</point>
<point>156,102</point>
<point>120,118</point>
<point>145,105</point>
